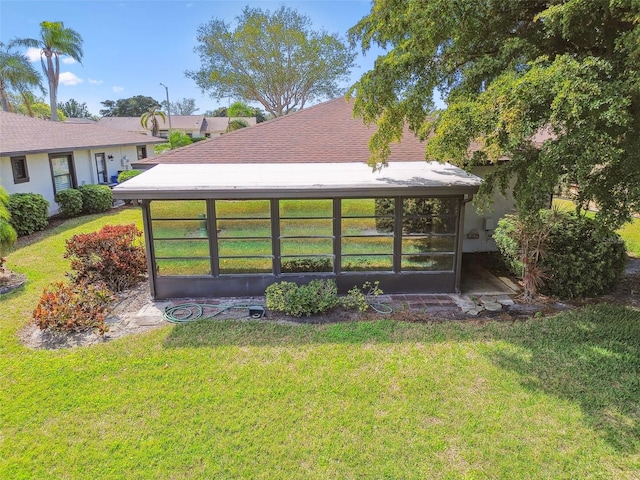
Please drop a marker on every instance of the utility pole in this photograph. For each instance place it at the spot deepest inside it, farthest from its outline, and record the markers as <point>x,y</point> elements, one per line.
<point>168,104</point>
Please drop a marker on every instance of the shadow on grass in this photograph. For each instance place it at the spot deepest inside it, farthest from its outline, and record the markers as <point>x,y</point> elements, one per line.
<point>590,357</point>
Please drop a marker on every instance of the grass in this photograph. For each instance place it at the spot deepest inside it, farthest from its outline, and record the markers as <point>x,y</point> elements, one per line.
<point>630,232</point>
<point>556,397</point>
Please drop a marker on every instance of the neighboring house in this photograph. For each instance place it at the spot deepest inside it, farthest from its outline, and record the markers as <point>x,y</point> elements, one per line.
<point>45,157</point>
<point>194,126</point>
<point>247,187</point>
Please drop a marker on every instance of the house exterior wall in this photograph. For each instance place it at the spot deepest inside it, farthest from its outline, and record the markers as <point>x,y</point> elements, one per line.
<point>483,223</point>
<point>40,180</point>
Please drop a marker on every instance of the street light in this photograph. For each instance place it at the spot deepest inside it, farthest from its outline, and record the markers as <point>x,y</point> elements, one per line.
<point>168,104</point>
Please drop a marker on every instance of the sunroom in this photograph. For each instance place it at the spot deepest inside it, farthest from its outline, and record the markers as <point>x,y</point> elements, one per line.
<point>234,229</point>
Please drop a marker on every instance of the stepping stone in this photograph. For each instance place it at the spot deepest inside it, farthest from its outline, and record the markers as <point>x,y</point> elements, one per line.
<point>463,301</point>
<point>474,312</point>
<point>505,300</point>
<point>493,306</point>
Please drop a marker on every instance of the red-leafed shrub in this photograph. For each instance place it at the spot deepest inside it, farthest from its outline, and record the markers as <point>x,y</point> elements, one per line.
<point>114,255</point>
<point>73,307</point>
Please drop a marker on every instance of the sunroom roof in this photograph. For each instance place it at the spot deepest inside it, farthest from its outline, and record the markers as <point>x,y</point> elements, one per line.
<point>299,180</point>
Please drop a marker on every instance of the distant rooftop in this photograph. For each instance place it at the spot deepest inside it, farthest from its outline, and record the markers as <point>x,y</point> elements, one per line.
<point>20,134</point>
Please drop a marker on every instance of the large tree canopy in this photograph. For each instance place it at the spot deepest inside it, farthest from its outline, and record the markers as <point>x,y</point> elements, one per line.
<point>129,107</point>
<point>271,58</point>
<point>552,86</point>
<point>72,109</point>
<point>186,106</point>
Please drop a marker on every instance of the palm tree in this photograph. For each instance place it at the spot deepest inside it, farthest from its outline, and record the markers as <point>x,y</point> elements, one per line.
<point>16,73</point>
<point>175,140</point>
<point>55,40</point>
<point>150,116</point>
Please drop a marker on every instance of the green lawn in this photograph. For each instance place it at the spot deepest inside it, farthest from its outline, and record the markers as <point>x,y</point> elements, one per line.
<point>555,398</point>
<point>630,232</point>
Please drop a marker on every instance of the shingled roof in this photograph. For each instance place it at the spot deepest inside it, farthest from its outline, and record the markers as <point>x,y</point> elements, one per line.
<point>21,135</point>
<point>323,133</point>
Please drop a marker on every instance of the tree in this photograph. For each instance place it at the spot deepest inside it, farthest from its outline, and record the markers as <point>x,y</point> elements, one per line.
<point>186,106</point>
<point>274,59</point>
<point>55,40</point>
<point>176,139</point>
<point>150,116</point>
<point>40,109</point>
<point>552,86</point>
<point>16,74</point>
<point>236,124</point>
<point>30,105</point>
<point>128,107</point>
<point>239,109</point>
<point>71,108</point>
<point>252,112</point>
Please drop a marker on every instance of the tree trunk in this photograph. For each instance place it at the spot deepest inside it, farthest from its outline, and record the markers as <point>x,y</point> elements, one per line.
<point>53,89</point>
<point>4,99</point>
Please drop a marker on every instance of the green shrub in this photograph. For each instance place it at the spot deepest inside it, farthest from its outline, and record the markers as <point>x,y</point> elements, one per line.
<point>96,198</point>
<point>360,298</point>
<point>584,259</point>
<point>506,238</point>
<point>73,308</point>
<point>70,202</point>
<point>577,257</point>
<point>318,296</point>
<point>113,256</point>
<point>307,265</point>
<point>29,212</point>
<point>125,175</point>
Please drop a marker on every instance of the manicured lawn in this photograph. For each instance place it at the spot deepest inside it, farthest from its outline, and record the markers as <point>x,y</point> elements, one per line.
<point>554,398</point>
<point>630,232</point>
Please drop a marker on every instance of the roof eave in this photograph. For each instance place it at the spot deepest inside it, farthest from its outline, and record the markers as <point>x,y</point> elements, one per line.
<point>73,148</point>
<point>123,193</point>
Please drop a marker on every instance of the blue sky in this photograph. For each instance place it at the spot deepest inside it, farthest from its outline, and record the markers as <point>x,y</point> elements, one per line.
<point>131,46</point>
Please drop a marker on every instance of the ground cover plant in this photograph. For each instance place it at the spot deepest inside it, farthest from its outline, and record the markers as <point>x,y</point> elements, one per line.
<point>555,397</point>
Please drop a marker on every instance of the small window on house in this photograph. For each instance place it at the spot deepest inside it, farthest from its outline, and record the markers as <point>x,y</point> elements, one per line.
<point>142,151</point>
<point>207,135</point>
<point>19,168</point>
<point>190,134</point>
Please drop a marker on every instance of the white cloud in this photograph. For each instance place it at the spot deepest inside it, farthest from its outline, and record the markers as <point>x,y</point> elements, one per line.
<point>118,89</point>
<point>68,60</point>
<point>70,79</point>
<point>33,54</point>
<point>94,82</point>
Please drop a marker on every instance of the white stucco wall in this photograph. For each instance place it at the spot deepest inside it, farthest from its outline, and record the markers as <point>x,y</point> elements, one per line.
<point>39,177</point>
<point>40,180</point>
<point>474,221</point>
